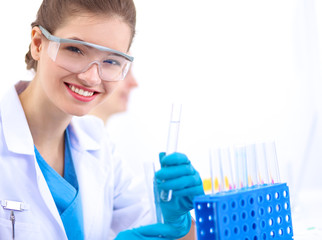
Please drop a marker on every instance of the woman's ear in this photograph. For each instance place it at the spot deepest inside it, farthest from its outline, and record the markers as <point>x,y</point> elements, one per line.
<point>36,43</point>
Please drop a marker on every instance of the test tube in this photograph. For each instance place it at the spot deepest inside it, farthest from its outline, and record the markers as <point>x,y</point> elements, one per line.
<point>153,194</point>
<point>252,168</point>
<point>215,171</point>
<point>262,163</point>
<point>272,162</point>
<point>172,141</point>
<point>221,172</point>
<point>241,167</point>
<point>174,128</point>
<point>226,162</point>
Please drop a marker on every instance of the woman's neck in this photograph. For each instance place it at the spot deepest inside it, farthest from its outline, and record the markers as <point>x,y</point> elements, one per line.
<point>47,126</point>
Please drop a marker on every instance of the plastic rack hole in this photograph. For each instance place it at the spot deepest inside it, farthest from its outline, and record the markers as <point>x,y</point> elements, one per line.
<point>268,197</point>
<point>252,213</point>
<point>225,219</point>
<point>255,238</point>
<point>208,205</point>
<point>242,202</point>
<point>288,230</point>
<point>200,220</point>
<point>210,217</point>
<point>279,220</point>
<point>280,232</point>
<point>287,218</point>
<point>261,211</point>
<point>272,233</point>
<point>269,209</point>
<point>236,230</point>
<point>211,230</point>
<point>245,228</point>
<point>264,237</point>
<point>251,201</point>
<point>286,206</point>
<point>202,232</point>
<point>254,226</point>
<point>270,222</point>
<point>277,195</point>
<point>244,215</point>
<point>285,194</point>
<point>278,208</point>
<point>260,199</point>
<point>199,207</point>
<point>226,232</point>
<point>233,204</point>
<point>263,224</point>
<point>234,217</point>
<point>224,206</point>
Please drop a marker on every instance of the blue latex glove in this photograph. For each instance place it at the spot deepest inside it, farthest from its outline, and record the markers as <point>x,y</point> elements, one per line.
<point>179,175</point>
<point>151,232</point>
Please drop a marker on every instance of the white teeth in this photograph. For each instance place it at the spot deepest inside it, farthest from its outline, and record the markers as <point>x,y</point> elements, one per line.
<point>81,91</point>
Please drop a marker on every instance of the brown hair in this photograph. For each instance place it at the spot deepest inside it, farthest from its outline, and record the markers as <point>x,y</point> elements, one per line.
<point>52,14</point>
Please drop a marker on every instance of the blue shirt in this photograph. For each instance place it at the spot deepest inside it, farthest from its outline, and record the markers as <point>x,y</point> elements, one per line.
<point>65,192</point>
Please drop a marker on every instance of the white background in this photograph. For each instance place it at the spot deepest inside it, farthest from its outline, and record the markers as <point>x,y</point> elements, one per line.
<point>244,71</point>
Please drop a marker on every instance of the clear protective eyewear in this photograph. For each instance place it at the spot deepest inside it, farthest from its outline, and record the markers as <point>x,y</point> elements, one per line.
<point>78,56</point>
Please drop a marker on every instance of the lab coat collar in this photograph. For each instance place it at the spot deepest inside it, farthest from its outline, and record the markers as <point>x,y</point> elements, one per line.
<point>15,126</point>
<point>85,133</point>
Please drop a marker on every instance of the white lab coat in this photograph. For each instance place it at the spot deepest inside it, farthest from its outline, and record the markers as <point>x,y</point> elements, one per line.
<point>109,199</point>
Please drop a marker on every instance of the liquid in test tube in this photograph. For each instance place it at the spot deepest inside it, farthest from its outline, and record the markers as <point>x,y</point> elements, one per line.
<point>172,141</point>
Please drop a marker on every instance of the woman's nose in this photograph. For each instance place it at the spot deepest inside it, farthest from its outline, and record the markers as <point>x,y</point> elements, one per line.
<point>90,76</point>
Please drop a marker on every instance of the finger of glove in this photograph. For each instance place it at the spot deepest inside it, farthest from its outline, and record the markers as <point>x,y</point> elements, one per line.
<point>133,235</point>
<point>180,183</point>
<point>163,231</point>
<point>173,159</point>
<point>173,172</point>
<point>192,191</point>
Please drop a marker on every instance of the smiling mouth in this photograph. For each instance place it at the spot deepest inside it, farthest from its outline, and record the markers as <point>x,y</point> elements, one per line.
<point>81,92</point>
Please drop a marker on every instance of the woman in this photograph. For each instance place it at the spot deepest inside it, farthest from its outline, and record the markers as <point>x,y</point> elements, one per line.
<point>60,177</point>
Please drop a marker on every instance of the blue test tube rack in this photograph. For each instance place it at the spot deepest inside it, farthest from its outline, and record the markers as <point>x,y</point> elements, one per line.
<point>256,213</point>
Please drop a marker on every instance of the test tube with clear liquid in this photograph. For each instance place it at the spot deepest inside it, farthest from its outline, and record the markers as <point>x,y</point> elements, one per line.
<point>172,142</point>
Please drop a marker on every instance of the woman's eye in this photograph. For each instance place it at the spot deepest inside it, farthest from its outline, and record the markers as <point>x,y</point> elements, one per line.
<point>112,62</point>
<point>74,49</point>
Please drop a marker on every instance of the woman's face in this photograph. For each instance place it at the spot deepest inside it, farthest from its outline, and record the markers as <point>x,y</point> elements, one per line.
<point>65,90</point>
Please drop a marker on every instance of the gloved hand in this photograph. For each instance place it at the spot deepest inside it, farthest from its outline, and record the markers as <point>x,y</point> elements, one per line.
<point>177,174</point>
<point>151,232</point>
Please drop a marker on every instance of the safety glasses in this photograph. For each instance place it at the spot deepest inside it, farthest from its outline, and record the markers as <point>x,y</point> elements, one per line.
<point>78,56</point>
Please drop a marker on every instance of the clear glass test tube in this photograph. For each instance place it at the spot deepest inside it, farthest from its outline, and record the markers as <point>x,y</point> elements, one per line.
<point>241,167</point>
<point>272,162</point>
<point>221,170</point>
<point>262,163</point>
<point>215,171</point>
<point>227,176</point>
<point>252,167</point>
<point>153,194</point>
<point>172,142</point>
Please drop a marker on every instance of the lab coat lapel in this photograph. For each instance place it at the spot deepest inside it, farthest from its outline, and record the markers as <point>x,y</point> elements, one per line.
<point>46,195</point>
<point>91,181</point>
<point>91,174</point>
